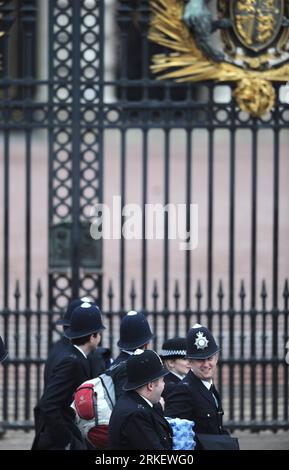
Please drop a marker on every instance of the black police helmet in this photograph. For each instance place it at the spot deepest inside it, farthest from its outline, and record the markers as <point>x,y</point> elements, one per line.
<point>65,321</point>
<point>85,320</point>
<point>134,331</point>
<point>143,368</point>
<point>174,348</point>
<point>200,343</point>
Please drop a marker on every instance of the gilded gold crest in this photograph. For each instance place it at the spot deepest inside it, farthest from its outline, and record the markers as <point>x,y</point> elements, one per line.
<point>253,53</point>
<point>257,23</point>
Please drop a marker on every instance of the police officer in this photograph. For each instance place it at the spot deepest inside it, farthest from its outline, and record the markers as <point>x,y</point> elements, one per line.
<point>136,422</point>
<point>55,419</point>
<point>3,352</point>
<point>173,354</point>
<point>196,398</point>
<point>135,333</point>
<point>60,346</point>
<point>99,359</point>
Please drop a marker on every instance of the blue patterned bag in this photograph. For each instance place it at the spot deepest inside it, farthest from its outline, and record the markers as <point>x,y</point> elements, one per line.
<point>183,434</point>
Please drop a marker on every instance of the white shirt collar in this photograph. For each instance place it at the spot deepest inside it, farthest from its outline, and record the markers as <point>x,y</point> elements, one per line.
<point>130,353</point>
<point>207,383</point>
<point>178,375</point>
<point>79,349</point>
<point>145,399</point>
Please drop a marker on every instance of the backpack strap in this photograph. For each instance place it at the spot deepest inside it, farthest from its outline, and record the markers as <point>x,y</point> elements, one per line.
<point>94,400</point>
<point>106,390</point>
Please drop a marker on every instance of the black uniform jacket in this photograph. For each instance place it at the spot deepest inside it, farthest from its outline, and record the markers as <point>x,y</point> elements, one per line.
<point>171,380</point>
<point>98,360</point>
<point>54,418</point>
<point>134,424</point>
<point>57,350</point>
<point>190,399</point>
<point>118,373</point>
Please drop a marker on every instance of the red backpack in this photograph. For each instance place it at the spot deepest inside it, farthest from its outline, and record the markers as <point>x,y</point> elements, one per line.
<point>93,404</point>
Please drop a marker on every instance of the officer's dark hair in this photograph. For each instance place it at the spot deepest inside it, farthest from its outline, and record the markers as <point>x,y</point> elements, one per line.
<point>83,340</point>
<point>134,349</point>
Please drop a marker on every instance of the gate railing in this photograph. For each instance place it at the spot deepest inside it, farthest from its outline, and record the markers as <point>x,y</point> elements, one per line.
<point>252,375</point>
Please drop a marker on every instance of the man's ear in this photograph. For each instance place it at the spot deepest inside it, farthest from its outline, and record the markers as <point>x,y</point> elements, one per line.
<point>150,386</point>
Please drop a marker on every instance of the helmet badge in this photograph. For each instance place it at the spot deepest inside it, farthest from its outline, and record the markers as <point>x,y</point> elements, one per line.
<point>201,341</point>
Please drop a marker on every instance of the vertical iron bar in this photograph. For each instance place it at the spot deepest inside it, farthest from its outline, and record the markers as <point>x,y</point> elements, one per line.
<point>166,218</point>
<point>110,314</point>
<point>16,370</point>
<point>242,296</point>
<point>199,296</point>
<point>6,368</point>
<point>210,213</point>
<point>232,219</point>
<point>76,76</point>
<point>124,16</point>
<point>6,186</point>
<point>38,340</point>
<point>144,202</point>
<point>144,14</point>
<point>220,317</point>
<point>253,271</point>
<point>122,240</point>
<point>275,272</point>
<point>7,20</point>
<point>28,218</point>
<point>28,18</point>
<point>100,125</point>
<point>177,313</point>
<point>276,216</point>
<point>286,338</point>
<point>264,355</point>
<point>232,313</point>
<point>155,296</point>
<point>188,215</point>
<point>232,366</point>
<point>50,66</point>
<point>254,216</point>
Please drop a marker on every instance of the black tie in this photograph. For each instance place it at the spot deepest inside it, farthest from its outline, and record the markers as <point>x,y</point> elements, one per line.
<point>214,393</point>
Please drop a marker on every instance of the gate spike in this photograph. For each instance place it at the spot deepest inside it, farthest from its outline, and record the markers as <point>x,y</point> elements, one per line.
<point>220,296</point>
<point>199,293</point>
<point>242,293</point>
<point>110,293</point>
<point>264,294</point>
<point>39,292</point>
<point>286,289</point>
<point>39,295</point>
<point>132,294</point>
<point>155,293</point>
<point>264,290</point>
<point>220,290</point>
<point>286,295</point>
<point>199,296</point>
<point>17,293</point>
<point>177,290</point>
<point>110,296</point>
<point>177,295</point>
<point>132,290</point>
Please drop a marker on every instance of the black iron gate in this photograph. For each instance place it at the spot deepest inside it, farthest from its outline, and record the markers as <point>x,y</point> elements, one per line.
<point>65,124</point>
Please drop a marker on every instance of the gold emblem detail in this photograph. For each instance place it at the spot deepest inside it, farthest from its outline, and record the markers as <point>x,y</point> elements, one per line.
<point>252,74</point>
